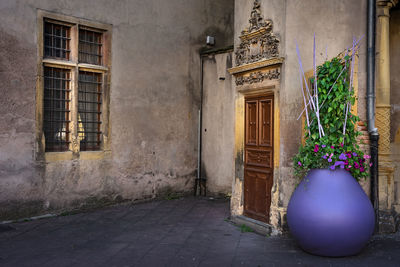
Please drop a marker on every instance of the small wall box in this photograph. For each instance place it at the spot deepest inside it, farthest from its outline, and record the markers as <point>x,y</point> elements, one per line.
<point>210,40</point>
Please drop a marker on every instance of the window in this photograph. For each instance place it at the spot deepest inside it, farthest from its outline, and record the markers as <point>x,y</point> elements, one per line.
<point>90,47</point>
<point>56,41</point>
<point>73,93</point>
<point>56,108</point>
<point>89,110</point>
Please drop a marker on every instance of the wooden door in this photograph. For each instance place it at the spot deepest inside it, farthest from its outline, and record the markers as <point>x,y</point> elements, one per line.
<point>258,167</point>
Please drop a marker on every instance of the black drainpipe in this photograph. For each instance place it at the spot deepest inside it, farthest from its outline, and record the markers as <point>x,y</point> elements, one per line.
<point>373,132</point>
<point>200,183</point>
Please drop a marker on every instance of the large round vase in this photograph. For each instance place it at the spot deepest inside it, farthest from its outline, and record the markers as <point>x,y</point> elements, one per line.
<point>330,215</point>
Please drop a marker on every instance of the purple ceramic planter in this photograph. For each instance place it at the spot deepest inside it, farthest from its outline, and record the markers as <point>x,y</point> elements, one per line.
<point>330,215</point>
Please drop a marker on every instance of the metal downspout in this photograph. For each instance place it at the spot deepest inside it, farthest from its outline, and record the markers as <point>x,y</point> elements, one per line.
<point>199,183</point>
<point>373,132</point>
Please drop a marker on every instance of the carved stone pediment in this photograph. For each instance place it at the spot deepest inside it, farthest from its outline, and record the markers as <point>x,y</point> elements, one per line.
<point>258,76</point>
<point>257,41</point>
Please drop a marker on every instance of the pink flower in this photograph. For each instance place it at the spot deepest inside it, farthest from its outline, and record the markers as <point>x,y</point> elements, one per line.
<point>332,147</point>
<point>299,163</point>
<point>341,144</point>
<point>367,156</point>
<point>370,164</point>
<point>316,148</point>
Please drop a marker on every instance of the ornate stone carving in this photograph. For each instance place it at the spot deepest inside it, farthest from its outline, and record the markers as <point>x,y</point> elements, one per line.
<point>258,76</point>
<point>383,125</point>
<point>256,20</point>
<point>257,41</point>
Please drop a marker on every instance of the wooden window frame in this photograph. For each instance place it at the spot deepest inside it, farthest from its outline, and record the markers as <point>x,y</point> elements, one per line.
<point>74,67</point>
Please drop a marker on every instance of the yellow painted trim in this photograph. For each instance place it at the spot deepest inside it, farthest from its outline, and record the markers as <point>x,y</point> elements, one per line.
<point>58,156</point>
<point>277,142</point>
<point>92,155</point>
<point>354,108</point>
<point>59,64</point>
<point>92,68</point>
<point>256,65</point>
<point>248,36</point>
<point>309,74</point>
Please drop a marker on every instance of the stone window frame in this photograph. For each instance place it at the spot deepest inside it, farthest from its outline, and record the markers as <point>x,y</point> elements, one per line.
<point>74,67</point>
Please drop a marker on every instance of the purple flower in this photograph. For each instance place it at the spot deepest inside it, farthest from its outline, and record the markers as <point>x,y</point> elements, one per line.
<point>342,156</point>
<point>323,146</point>
<point>299,163</point>
<point>342,166</point>
<point>337,163</point>
<point>332,167</point>
<point>329,160</point>
<point>361,169</point>
<point>355,154</point>
<point>324,157</point>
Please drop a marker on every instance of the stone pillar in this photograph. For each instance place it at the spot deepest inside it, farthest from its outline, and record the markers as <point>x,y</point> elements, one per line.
<point>386,167</point>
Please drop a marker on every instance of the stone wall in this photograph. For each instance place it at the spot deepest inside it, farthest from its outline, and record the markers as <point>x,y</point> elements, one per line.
<point>334,23</point>
<point>218,123</point>
<point>155,96</point>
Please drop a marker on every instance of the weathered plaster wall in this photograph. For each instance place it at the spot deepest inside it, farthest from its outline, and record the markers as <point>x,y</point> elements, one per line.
<point>218,123</point>
<point>153,111</point>
<point>334,24</point>
<point>395,100</point>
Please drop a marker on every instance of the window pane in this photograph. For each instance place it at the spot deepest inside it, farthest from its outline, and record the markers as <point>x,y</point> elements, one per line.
<point>89,110</point>
<point>56,115</point>
<point>56,41</point>
<point>90,47</point>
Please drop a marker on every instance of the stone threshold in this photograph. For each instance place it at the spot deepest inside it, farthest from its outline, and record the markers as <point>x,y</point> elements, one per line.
<point>258,226</point>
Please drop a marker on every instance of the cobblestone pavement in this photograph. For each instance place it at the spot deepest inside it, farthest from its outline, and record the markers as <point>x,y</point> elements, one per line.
<point>183,232</point>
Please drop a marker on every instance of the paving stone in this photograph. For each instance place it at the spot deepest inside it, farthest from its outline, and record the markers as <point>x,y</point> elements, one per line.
<point>184,232</point>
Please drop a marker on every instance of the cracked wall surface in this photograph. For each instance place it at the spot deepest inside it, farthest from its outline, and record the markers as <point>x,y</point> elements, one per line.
<point>154,102</point>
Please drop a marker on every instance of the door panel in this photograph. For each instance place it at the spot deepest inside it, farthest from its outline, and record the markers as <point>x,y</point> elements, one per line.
<point>260,158</point>
<point>251,125</point>
<point>265,122</point>
<point>258,168</point>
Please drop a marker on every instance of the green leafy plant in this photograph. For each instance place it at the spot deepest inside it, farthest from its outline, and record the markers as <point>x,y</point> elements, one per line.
<point>246,229</point>
<point>331,132</point>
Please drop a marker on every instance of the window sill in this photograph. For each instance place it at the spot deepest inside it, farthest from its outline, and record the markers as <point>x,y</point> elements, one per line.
<point>58,156</point>
<point>91,155</point>
<point>83,155</point>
